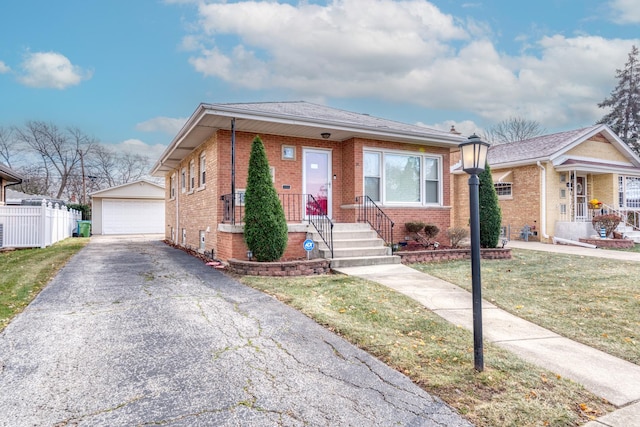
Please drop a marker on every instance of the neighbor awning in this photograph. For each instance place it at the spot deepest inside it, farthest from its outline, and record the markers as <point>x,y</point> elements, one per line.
<point>502,177</point>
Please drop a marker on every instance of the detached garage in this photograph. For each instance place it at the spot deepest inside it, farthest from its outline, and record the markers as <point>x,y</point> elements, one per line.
<point>133,208</point>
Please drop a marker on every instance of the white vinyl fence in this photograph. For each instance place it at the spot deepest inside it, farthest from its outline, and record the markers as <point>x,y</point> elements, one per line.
<point>36,226</point>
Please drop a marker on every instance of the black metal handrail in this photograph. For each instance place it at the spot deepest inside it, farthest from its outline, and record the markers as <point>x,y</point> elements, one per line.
<point>316,214</point>
<point>297,208</point>
<point>371,213</point>
<point>233,213</point>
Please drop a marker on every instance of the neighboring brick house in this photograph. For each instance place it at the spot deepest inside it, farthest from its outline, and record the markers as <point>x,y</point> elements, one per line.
<point>546,183</point>
<point>334,155</point>
<point>7,177</point>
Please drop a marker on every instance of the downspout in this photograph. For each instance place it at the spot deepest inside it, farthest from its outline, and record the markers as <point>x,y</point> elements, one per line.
<point>543,201</point>
<point>233,171</point>
<point>176,182</point>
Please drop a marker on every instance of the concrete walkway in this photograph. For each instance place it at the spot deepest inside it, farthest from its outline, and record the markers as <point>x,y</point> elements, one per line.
<point>132,332</point>
<point>606,376</point>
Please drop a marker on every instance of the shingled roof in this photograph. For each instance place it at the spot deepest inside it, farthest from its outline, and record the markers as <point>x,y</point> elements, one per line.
<point>296,119</point>
<point>328,115</point>
<point>538,148</point>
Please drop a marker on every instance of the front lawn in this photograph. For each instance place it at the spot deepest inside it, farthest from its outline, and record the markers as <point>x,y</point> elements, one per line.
<point>435,354</point>
<point>595,301</point>
<point>23,274</point>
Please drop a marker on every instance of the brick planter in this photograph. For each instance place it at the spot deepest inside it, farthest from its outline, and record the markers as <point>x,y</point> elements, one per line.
<point>284,268</point>
<point>610,243</point>
<point>409,257</point>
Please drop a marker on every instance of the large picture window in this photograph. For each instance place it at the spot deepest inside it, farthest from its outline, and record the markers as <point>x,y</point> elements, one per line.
<point>402,178</point>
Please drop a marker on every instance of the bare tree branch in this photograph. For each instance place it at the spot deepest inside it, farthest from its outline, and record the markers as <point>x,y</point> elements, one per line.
<point>513,129</point>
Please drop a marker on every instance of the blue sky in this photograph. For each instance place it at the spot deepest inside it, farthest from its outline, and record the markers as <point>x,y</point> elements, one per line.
<point>129,72</point>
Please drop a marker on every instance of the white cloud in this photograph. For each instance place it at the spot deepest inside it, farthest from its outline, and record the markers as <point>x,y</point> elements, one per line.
<point>167,125</point>
<point>4,68</point>
<point>626,11</point>
<point>51,70</point>
<point>403,51</point>
<point>136,146</point>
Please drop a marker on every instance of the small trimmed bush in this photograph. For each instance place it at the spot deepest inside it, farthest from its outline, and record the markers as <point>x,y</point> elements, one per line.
<point>609,222</point>
<point>457,235</point>
<point>414,226</point>
<point>431,231</point>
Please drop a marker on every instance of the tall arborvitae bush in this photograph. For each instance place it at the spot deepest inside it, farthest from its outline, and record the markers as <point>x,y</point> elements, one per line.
<point>490,212</point>
<point>265,226</point>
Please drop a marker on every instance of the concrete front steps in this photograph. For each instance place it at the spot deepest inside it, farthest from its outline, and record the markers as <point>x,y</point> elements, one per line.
<point>629,233</point>
<point>354,244</point>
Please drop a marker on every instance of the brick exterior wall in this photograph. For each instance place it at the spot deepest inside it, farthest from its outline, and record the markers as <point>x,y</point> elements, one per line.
<point>522,208</point>
<point>201,210</point>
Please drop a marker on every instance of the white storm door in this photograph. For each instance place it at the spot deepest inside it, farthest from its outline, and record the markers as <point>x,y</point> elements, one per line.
<point>316,178</point>
<point>581,198</point>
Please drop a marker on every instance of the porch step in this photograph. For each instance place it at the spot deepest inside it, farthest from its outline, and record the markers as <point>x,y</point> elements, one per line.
<point>363,261</point>
<point>354,244</point>
<point>633,235</point>
<point>355,252</point>
<point>629,232</point>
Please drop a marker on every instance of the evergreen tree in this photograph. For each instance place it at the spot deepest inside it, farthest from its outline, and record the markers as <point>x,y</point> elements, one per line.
<point>490,213</point>
<point>624,101</point>
<point>265,226</point>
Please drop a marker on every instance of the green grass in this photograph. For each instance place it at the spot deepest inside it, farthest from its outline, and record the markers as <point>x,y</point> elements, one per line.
<point>23,274</point>
<point>436,355</point>
<point>595,301</point>
<point>634,248</point>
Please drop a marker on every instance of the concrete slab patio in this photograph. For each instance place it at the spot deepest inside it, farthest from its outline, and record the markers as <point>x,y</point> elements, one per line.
<point>134,332</point>
<point>606,376</point>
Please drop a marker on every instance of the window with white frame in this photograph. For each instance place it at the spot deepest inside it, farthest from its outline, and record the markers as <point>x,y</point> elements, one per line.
<point>431,180</point>
<point>192,175</point>
<point>203,169</point>
<point>183,180</point>
<point>172,186</point>
<point>629,191</point>
<point>372,178</point>
<point>504,189</point>
<point>396,177</point>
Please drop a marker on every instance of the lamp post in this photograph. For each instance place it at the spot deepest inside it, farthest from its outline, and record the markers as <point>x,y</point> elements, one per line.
<point>474,158</point>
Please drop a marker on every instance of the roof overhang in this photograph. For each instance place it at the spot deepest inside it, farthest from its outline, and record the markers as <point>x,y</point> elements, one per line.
<point>208,119</point>
<point>9,175</point>
<point>596,167</point>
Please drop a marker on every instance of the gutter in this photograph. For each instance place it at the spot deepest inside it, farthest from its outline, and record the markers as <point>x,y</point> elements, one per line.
<point>543,201</point>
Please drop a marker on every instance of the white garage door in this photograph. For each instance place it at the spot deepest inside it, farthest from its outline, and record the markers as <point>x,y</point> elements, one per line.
<point>132,216</point>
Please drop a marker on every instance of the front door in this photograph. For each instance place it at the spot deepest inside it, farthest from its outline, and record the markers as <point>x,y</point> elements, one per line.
<point>581,198</point>
<point>316,178</point>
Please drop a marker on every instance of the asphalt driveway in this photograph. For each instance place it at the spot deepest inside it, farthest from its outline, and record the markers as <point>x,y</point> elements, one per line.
<point>134,333</point>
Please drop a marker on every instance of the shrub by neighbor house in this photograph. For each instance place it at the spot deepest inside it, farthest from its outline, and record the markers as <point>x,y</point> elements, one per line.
<point>608,221</point>
<point>265,225</point>
<point>490,212</point>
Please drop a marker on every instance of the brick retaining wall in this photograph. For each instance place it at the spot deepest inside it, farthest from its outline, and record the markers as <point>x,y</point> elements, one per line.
<point>610,243</point>
<point>409,257</point>
<point>285,268</point>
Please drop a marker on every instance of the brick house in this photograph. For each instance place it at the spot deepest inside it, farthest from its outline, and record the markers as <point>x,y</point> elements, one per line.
<point>339,175</point>
<point>547,182</point>
<point>7,177</point>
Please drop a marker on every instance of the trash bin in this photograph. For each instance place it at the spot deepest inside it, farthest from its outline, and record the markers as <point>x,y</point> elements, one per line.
<point>84,228</point>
